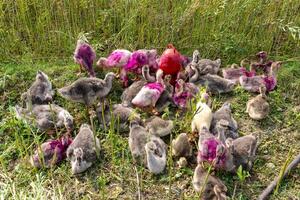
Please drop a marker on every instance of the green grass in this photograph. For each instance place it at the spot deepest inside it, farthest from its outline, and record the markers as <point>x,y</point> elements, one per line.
<point>114,175</point>
<point>43,30</point>
<point>41,34</point>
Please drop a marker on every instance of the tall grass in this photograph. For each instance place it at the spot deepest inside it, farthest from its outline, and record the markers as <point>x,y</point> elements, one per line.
<point>219,28</point>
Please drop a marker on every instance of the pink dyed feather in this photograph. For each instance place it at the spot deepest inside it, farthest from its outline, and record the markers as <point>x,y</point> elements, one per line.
<point>189,91</point>
<point>50,149</point>
<point>270,83</point>
<point>137,59</point>
<point>148,95</point>
<point>114,58</point>
<point>211,154</point>
<point>235,74</point>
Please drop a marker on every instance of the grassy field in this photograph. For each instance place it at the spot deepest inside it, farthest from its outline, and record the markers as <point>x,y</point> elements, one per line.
<point>113,176</point>
<point>42,35</point>
<point>43,29</point>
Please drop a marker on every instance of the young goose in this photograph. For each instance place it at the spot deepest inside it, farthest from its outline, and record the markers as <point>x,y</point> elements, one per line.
<point>181,146</point>
<point>122,115</point>
<point>159,127</point>
<point>261,62</point>
<point>85,55</point>
<point>258,108</point>
<point>130,92</point>
<point>193,63</point>
<point>149,94</point>
<point>165,98</point>
<point>46,117</point>
<point>194,76</point>
<point>137,60</point>
<point>244,151</point>
<point>140,58</point>
<point>40,92</point>
<point>208,145</point>
<point>170,62</point>
<point>118,58</point>
<point>146,74</point>
<point>184,92</point>
<point>235,72</point>
<point>224,117</point>
<point>156,155</point>
<point>213,150</point>
<point>251,84</point>
<point>137,140</point>
<point>214,189</point>
<point>87,90</point>
<point>206,66</point>
<point>188,73</point>
<point>50,153</point>
<point>203,116</point>
<point>271,79</point>
<point>83,151</point>
<point>214,83</point>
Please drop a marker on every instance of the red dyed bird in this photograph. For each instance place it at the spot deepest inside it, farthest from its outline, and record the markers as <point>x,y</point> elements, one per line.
<point>171,62</point>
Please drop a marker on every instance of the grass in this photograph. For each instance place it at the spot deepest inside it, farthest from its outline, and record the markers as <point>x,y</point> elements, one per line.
<point>42,35</point>
<point>227,29</point>
<point>113,176</point>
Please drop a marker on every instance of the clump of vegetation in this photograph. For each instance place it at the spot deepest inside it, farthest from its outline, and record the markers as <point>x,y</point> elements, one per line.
<point>226,29</point>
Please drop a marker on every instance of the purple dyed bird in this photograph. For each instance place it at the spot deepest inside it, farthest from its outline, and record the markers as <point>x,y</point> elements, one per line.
<point>212,152</point>
<point>140,58</point>
<point>184,92</point>
<point>85,55</point>
<point>119,59</point>
<point>253,84</point>
<point>263,63</point>
<point>51,152</point>
<point>212,149</point>
<point>271,80</point>
<point>149,94</point>
<point>235,72</point>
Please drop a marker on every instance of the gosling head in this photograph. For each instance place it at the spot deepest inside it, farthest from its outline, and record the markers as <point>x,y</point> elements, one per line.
<point>67,119</point>
<point>77,162</point>
<point>110,76</point>
<point>227,106</point>
<point>41,76</point>
<point>196,56</point>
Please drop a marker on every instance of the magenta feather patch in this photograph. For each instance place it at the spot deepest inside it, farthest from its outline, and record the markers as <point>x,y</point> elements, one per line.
<point>85,55</point>
<point>190,90</point>
<point>210,153</point>
<point>50,150</point>
<point>148,95</point>
<point>114,58</point>
<point>249,73</point>
<point>265,67</point>
<point>270,83</point>
<point>155,86</point>
<point>235,74</point>
<point>181,99</point>
<point>137,59</point>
